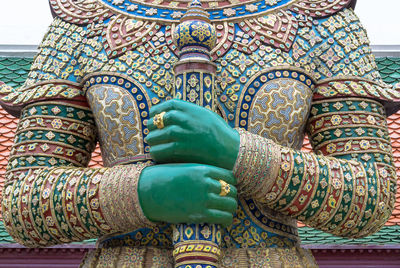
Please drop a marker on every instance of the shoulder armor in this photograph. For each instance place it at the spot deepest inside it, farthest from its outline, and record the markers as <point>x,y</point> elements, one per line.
<point>320,8</point>
<point>80,12</point>
<point>13,100</point>
<point>388,95</point>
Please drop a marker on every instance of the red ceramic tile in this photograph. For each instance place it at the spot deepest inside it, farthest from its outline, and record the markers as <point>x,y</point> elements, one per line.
<point>96,160</point>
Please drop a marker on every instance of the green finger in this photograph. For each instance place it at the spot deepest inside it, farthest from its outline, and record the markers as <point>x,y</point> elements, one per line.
<point>170,118</point>
<point>165,107</point>
<point>222,174</point>
<point>163,153</point>
<point>220,217</point>
<point>223,203</point>
<point>165,135</point>
<point>150,124</point>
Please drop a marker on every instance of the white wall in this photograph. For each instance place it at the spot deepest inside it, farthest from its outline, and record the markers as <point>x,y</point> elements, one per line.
<point>25,21</point>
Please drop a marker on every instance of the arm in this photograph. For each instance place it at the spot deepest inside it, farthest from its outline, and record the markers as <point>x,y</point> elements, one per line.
<point>50,196</point>
<point>347,189</point>
<point>44,204</point>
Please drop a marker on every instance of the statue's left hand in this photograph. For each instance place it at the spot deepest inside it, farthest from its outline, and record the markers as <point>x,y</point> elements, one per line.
<point>192,134</point>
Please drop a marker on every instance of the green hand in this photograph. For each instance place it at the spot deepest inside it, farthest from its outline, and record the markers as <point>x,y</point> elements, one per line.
<point>192,134</point>
<point>187,193</point>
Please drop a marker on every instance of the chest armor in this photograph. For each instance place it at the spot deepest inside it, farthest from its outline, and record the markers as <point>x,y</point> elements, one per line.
<point>257,85</point>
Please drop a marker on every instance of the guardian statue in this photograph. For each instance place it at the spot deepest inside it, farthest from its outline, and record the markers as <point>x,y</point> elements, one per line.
<point>200,110</point>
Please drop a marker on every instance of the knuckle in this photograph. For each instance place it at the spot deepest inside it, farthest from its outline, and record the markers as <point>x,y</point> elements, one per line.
<point>175,117</point>
<point>169,117</point>
<point>176,148</point>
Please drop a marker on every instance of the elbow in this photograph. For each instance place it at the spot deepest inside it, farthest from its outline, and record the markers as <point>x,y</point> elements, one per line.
<point>376,222</point>
<point>370,220</point>
<point>375,227</point>
<point>17,231</point>
<point>21,237</point>
<point>374,218</point>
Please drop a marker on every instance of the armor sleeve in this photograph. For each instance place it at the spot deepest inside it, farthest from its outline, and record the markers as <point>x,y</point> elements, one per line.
<point>347,185</point>
<point>50,196</point>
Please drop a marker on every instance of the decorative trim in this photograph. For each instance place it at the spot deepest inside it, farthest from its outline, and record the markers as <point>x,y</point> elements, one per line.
<point>172,13</point>
<point>13,100</point>
<point>359,87</point>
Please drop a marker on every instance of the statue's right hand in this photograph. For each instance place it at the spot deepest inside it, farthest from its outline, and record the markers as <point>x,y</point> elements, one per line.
<point>187,193</point>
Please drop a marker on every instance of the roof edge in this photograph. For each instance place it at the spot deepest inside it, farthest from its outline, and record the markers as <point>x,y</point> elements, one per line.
<point>18,51</point>
<point>64,246</point>
<point>29,51</point>
<point>309,246</point>
<point>386,50</point>
<point>351,247</point>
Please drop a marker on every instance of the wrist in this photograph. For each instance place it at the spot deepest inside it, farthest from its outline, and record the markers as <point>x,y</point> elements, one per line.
<point>257,164</point>
<point>120,200</point>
